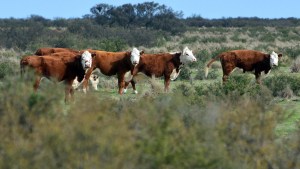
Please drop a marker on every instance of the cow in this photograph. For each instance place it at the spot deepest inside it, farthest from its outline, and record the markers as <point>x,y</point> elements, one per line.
<point>248,60</point>
<point>63,52</point>
<point>64,68</point>
<point>162,64</point>
<point>113,63</point>
<point>48,51</point>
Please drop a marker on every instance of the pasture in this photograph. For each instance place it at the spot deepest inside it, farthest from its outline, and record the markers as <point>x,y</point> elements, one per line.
<point>199,123</point>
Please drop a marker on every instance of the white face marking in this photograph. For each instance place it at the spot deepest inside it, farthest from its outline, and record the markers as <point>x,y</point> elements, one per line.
<point>86,60</point>
<point>273,59</point>
<point>187,56</point>
<point>135,56</point>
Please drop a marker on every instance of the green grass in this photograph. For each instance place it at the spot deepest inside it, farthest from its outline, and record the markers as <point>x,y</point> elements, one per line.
<point>292,117</point>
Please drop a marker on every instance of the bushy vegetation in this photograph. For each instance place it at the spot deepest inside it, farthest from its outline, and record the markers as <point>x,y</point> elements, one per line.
<point>40,131</point>
<point>200,123</point>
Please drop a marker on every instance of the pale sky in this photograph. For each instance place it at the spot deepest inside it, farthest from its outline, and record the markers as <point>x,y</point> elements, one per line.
<point>209,9</point>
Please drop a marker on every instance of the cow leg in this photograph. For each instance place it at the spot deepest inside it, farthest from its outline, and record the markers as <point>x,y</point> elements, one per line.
<point>257,77</point>
<point>69,91</point>
<point>86,78</point>
<point>125,87</point>
<point>227,69</point>
<point>167,83</point>
<point>133,86</point>
<point>37,83</point>
<point>121,82</point>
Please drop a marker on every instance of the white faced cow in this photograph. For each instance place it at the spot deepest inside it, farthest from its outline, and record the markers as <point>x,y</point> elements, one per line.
<point>162,64</point>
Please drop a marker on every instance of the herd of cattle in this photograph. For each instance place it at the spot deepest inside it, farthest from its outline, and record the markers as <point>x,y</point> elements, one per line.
<point>76,68</point>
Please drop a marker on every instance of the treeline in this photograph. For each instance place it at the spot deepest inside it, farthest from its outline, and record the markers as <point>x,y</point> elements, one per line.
<point>198,21</point>
<point>115,27</point>
<point>147,14</point>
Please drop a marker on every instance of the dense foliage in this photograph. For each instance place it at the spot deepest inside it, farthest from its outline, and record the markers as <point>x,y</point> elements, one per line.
<point>200,123</point>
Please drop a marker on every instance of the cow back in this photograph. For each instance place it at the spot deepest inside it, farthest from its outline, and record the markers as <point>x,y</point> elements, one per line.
<point>158,64</point>
<point>48,51</point>
<point>110,63</point>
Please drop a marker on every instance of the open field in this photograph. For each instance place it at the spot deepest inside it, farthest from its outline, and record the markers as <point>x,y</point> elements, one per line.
<point>200,123</point>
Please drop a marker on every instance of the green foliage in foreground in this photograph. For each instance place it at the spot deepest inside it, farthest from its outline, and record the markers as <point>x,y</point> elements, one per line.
<point>181,129</point>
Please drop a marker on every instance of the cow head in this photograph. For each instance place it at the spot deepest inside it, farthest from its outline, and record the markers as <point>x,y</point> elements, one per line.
<point>187,56</point>
<point>86,60</point>
<point>135,56</point>
<point>274,59</point>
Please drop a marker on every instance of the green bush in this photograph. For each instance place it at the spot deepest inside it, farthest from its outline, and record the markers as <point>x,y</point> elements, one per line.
<point>8,68</point>
<point>168,131</point>
<point>236,85</point>
<point>280,82</point>
<point>189,40</point>
<point>292,52</point>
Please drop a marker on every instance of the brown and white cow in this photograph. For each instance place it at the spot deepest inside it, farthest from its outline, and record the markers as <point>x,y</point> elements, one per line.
<point>63,52</point>
<point>64,68</point>
<point>113,63</point>
<point>248,60</point>
<point>48,51</point>
<point>162,64</point>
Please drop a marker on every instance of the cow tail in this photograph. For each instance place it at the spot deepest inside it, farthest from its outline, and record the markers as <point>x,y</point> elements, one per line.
<point>209,63</point>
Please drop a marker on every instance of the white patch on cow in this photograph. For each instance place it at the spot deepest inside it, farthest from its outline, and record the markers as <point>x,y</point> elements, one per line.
<point>75,84</point>
<point>84,90</point>
<point>86,60</point>
<point>125,90</point>
<point>128,76</point>
<point>187,56</point>
<point>135,56</point>
<point>273,59</point>
<point>135,92</point>
<point>173,53</point>
<point>94,79</point>
<point>174,74</point>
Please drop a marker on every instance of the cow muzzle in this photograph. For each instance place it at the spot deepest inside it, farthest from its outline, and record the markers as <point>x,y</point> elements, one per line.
<point>134,63</point>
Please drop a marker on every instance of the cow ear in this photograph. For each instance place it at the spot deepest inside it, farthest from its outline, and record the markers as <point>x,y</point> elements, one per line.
<point>280,55</point>
<point>142,52</point>
<point>93,54</point>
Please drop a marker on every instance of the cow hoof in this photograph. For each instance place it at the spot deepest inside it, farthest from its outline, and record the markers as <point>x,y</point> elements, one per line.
<point>124,91</point>
<point>135,92</point>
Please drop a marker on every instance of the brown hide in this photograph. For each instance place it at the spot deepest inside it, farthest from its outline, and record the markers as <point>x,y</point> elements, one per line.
<point>110,63</point>
<point>48,51</point>
<point>158,65</point>
<point>248,60</point>
<point>59,68</point>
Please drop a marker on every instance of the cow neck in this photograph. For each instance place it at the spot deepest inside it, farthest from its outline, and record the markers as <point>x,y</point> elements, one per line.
<point>176,60</point>
<point>127,58</point>
<point>267,62</point>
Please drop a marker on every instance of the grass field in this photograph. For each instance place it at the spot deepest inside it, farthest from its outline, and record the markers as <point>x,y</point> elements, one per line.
<point>200,123</point>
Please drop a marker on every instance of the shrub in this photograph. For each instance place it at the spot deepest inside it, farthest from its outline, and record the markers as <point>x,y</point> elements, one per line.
<point>189,40</point>
<point>8,68</point>
<point>295,68</point>
<point>280,82</point>
<point>168,131</point>
<point>292,52</point>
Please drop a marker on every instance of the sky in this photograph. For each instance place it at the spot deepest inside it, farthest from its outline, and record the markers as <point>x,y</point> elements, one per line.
<point>210,9</point>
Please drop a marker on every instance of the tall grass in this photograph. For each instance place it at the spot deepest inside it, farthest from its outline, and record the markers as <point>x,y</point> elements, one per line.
<point>198,124</point>
<point>180,129</point>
